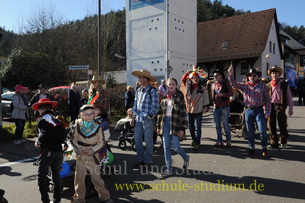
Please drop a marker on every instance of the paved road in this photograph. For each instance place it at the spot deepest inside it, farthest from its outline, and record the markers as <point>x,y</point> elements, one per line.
<point>279,178</point>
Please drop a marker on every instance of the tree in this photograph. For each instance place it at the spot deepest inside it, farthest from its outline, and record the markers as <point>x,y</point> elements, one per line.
<point>29,69</point>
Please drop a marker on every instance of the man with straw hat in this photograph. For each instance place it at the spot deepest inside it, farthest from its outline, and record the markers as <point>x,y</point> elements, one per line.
<point>281,97</point>
<point>145,109</point>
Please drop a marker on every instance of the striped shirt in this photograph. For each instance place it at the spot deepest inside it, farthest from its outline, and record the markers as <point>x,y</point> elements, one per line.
<point>146,103</point>
<point>254,96</point>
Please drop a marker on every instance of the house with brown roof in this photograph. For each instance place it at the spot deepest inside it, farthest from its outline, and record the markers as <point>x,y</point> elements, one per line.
<point>247,41</point>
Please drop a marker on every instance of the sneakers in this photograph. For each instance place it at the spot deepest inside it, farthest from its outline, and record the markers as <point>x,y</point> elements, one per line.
<point>251,153</point>
<point>284,145</point>
<point>228,145</point>
<point>18,141</point>
<point>193,143</point>
<point>186,163</point>
<point>196,147</point>
<point>166,173</point>
<point>23,140</point>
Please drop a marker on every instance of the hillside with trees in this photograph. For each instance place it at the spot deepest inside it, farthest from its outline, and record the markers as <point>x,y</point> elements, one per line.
<point>47,45</point>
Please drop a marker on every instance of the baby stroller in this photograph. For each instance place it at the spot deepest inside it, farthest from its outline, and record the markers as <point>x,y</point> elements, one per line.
<point>127,132</point>
<point>236,118</point>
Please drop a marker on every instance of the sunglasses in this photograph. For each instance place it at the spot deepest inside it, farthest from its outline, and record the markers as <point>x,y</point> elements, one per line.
<point>215,75</point>
<point>252,75</point>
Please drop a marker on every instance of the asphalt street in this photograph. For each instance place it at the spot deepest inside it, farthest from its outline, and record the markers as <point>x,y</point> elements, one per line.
<point>214,174</point>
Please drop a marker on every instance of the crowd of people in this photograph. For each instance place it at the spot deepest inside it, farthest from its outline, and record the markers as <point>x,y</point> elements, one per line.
<point>168,111</point>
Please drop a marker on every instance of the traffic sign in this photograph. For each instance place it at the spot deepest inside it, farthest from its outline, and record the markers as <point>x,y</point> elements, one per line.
<point>79,67</point>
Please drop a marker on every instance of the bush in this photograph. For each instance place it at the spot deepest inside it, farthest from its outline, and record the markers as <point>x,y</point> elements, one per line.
<point>8,131</point>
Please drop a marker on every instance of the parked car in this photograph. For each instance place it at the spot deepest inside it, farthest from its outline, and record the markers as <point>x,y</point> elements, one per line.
<point>6,100</point>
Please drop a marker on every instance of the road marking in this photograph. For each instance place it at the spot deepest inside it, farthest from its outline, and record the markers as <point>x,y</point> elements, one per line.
<point>19,161</point>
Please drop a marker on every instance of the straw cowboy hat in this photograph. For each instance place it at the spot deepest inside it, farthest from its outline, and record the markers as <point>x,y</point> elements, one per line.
<point>144,73</point>
<point>97,78</point>
<point>44,101</point>
<point>275,68</point>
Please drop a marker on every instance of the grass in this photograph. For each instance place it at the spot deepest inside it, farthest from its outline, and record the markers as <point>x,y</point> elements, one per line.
<point>7,132</point>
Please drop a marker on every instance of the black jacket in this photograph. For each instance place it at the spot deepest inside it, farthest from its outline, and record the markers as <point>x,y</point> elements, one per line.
<point>51,133</point>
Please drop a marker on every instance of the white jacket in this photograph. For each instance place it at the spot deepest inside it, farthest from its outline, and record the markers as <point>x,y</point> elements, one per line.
<point>20,109</point>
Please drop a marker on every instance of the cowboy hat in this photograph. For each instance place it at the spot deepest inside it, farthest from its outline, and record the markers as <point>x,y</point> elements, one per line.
<point>144,73</point>
<point>97,78</point>
<point>275,68</point>
<point>220,72</point>
<point>44,101</point>
<point>20,87</point>
<point>254,71</point>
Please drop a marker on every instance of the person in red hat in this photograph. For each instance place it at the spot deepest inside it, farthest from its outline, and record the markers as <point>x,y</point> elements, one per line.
<point>51,137</point>
<point>20,112</point>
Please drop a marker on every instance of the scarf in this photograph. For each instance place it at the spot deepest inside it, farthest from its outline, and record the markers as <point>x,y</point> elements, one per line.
<point>88,127</point>
<point>275,82</point>
<point>170,94</point>
<point>251,84</point>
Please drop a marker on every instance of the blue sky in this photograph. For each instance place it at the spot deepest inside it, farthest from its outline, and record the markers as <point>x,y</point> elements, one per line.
<point>14,13</point>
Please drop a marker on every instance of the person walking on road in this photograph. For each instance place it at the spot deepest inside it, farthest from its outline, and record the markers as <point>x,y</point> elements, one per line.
<point>51,137</point>
<point>20,112</point>
<point>281,98</point>
<point>163,89</point>
<point>301,89</point>
<point>129,97</point>
<point>172,124</point>
<point>87,140</point>
<point>258,107</point>
<point>196,97</point>
<point>73,103</point>
<point>221,91</point>
<point>144,112</point>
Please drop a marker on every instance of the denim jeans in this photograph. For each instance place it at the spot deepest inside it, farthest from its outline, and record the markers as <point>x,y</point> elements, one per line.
<point>258,116</point>
<point>53,160</point>
<point>194,121</point>
<point>20,123</point>
<point>168,141</point>
<point>144,129</point>
<point>221,116</point>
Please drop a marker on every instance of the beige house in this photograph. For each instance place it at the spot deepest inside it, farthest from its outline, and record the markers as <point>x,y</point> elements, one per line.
<point>247,41</point>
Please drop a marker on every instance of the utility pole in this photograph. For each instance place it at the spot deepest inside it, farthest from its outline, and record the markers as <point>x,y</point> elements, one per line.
<point>1,36</point>
<point>98,38</point>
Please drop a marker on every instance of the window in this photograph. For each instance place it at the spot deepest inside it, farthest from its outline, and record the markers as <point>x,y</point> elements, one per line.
<point>244,68</point>
<point>267,68</point>
<point>270,47</point>
<point>225,45</point>
<point>274,48</point>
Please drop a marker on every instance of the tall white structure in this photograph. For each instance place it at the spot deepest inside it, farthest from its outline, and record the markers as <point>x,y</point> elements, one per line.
<point>161,37</point>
